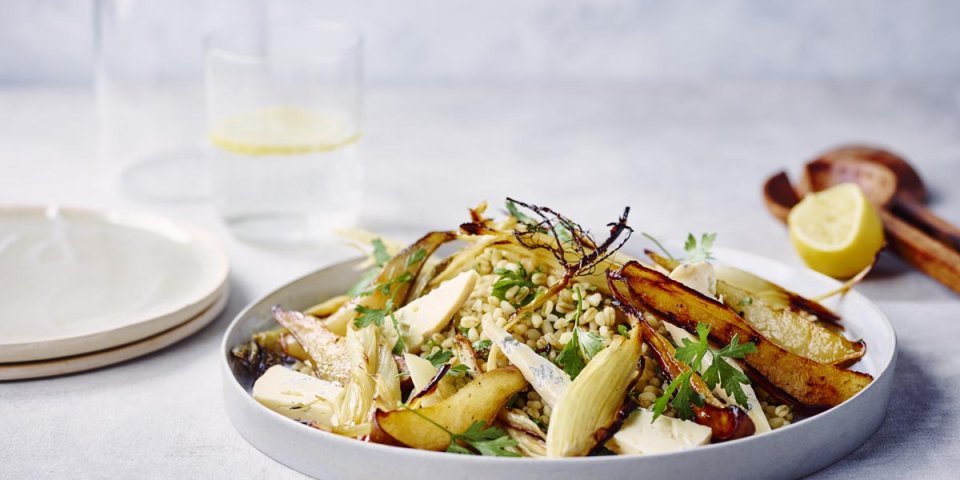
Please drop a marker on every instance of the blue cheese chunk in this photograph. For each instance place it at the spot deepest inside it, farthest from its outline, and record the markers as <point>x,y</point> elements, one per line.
<point>641,435</point>
<point>547,379</point>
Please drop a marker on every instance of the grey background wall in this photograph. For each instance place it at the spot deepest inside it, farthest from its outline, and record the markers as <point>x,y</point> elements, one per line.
<point>559,41</point>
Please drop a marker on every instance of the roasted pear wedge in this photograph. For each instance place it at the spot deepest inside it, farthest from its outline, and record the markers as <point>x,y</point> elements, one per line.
<point>479,401</point>
<point>327,352</point>
<point>727,422</point>
<point>781,316</point>
<point>806,383</point>
<point>406,264</point>
<point>774,295</point>
<point>589,406</point>
<point>327,307</point>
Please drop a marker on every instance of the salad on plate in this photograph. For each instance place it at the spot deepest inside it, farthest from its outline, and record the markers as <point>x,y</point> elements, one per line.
<point>535,338</point>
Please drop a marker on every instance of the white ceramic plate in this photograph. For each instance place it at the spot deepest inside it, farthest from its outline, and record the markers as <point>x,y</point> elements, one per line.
<point>793,451</point>
<point>90,361</point>
<point>74,281</point>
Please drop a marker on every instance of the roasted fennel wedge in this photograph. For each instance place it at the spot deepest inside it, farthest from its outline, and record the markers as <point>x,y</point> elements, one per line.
<point>589,406</point>
<point>327,351</point>
<point>479,401</point>
<point>809,384</point>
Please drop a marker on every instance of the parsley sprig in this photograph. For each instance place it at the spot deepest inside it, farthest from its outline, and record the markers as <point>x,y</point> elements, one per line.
<point>367,315</point>
<point>481,345</point>
<point>692,353</point>
<point>720,371</point>
<point>696,251</point>
<point>439,357</point>
<point>478,439</point>
<point>699,252</point>
<point>380,258</point>
<point>442,357</point>
<point>376,316</point>
<point>683,394</point>
<point>511,278</point>
<point>730,378</point>
<point>583,345</point>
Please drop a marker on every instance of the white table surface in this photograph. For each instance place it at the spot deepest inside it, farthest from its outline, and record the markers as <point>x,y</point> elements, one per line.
<point>685,158</point>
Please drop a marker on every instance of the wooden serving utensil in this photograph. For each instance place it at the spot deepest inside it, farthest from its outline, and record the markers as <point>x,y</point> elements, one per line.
<point>921,238</point>
<point>910,193</point>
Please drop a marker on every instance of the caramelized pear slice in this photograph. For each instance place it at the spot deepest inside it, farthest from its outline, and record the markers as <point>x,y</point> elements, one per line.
<point>809,384</point>
<point>478,401</point>
<point>783,317</point>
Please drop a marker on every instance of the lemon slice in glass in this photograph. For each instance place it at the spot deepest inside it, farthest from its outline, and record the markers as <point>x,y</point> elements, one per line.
<point>836,231</point>
<point>282,130</point>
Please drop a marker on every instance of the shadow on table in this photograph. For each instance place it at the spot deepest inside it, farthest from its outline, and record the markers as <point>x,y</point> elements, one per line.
<point>917,427</point>
<point>893,279</point>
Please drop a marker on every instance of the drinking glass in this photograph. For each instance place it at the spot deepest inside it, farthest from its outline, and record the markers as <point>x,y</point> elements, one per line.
<point>283,123</point>
<point>149,89</point>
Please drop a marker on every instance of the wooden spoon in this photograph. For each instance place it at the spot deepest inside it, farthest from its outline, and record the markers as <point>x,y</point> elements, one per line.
<point>909,195</point>
<point>880,184</point>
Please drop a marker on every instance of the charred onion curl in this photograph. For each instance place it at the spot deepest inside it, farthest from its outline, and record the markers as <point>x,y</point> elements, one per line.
<point>573,247</point>
<point>580,254</point>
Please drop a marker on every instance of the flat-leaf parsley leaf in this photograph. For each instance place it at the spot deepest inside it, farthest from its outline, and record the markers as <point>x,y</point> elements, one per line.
<point>583,344</point>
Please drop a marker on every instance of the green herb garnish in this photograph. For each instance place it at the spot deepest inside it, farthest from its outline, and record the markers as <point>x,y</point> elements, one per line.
<point>692,353</point>
<point>696,251</point>
<point>400,346</point>
<point>720,371</point>
<point>487,441</point>
<point>478,439</point>
<point>730,378</point>
<point>416,257</point>
<point>583,345</point>
<point>380,258</point>
<point>380,255</point>
<point>509,279</point>
<point>439,358</point>
<point>699,252</point>
<point>369,315</point>
<point>682,402</point>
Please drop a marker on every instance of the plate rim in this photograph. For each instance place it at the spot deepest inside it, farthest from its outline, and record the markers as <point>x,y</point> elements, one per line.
<point>84,362</point>
<point>214,253</point>
<point>233,386</point>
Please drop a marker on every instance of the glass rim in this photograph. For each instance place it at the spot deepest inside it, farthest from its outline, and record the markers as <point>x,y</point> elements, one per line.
<point>218,41</point>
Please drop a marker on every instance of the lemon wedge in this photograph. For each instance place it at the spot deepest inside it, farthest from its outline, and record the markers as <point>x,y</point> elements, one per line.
<point>282,130</point>
<point>837,231</point>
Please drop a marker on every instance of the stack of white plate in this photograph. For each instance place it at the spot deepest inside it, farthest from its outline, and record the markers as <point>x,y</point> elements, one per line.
<point>81,289</point>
